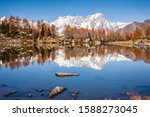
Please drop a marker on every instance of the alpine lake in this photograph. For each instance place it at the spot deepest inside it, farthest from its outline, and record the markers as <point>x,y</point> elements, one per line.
<point>28,71</point>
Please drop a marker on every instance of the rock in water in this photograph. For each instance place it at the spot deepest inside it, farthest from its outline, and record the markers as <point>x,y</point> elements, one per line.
<point>9,93</point>
<point>29,95</point>
<point>39,90</point>
<point>74,94</point>
<point>55,91</point>
<point>3,85</point>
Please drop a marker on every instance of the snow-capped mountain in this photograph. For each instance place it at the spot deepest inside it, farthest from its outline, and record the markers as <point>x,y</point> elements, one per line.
<point>96,21</point>
<point>97,62</point>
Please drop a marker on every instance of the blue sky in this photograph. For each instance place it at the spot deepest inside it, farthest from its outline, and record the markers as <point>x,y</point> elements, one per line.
<point>113,10</point>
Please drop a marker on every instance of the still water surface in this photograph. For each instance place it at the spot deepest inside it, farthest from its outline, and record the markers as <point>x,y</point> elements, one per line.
<point>106,72</point>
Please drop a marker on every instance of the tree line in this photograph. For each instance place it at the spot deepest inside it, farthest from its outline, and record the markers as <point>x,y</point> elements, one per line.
<point>106,35</point>
<point>15,26</point>
<point>42,30</point>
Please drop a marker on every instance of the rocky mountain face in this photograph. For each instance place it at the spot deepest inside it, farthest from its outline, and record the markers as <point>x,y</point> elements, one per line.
<point>96,21</point>
<point>132,26</point>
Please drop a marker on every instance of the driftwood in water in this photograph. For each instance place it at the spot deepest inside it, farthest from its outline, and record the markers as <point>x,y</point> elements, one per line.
<point>55,91</point>
<point>65,74</point>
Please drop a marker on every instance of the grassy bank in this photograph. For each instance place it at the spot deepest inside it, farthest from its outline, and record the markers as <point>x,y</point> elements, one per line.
<point>131,43</point>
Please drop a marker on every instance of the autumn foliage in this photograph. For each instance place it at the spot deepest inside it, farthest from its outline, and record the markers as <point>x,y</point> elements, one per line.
<point>147,32</point>
<point>42,30</point>
<point>105,35</point>
<point>15,26</point>
<point>138,34</point>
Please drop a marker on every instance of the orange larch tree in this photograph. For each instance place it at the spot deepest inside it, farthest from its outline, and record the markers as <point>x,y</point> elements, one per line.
<point>138,33</point>
<point>147,32</point>
<point>53,31</point>
<point>128,35</point>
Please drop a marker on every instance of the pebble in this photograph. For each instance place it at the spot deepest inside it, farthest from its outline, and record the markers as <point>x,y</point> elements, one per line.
<point>74,94</point>
<point>39,90</point>
<point>29,95</point>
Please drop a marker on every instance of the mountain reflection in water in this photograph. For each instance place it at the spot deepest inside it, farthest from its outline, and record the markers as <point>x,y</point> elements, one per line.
<point>95,57</point>
<point>106,72</point>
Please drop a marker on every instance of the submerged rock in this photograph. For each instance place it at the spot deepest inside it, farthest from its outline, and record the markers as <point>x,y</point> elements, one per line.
<point>135,97</point>
<point>29,95</point>
<point>42,94</point>
<point>74,94</point>
<point>39,90</point>
<point>9,93</point>
<point>130,93</point>
<point>146,98</point>
<point>55,91</point>
<point>3,85</point>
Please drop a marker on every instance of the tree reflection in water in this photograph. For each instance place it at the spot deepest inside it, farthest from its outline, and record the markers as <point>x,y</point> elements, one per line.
<point>15,57</point>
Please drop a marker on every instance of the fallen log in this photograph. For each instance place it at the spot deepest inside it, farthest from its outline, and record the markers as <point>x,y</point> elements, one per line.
<point>65,74</point>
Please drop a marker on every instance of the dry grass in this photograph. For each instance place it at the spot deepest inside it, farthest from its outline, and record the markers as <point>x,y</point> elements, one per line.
<point>130,43</point>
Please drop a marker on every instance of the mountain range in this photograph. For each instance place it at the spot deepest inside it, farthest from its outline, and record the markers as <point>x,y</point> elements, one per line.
<point>132,26</point>
<point>95,21</point>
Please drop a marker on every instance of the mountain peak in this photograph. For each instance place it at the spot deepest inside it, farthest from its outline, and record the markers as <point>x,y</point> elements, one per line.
<point>96,21</point>
<point>97,15</point>
<point>147,21</point>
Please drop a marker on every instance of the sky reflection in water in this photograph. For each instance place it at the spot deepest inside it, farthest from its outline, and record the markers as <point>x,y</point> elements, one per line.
<point>106,72</point>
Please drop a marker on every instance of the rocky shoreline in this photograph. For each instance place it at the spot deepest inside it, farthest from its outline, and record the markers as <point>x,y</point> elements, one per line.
<point>132,43</point>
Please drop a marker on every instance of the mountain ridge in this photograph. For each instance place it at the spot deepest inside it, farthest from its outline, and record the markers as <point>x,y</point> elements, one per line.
<point>132,26</point>
<point>96,21</point>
